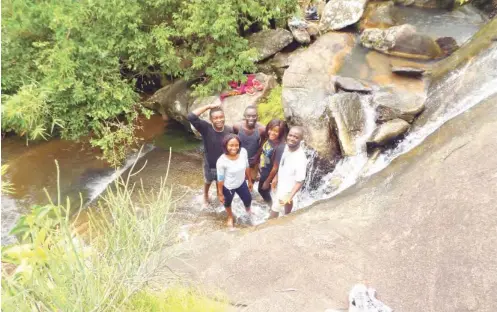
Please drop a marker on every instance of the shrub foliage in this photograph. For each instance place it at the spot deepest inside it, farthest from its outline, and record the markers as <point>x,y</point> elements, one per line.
<point>70,66</point>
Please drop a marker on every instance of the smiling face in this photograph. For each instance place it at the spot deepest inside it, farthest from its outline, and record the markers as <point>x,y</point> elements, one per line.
<point>250,117</point>
<point>217,119</point>
<point>294,137</point>
<point>274,133</point>
<point>233,147</point>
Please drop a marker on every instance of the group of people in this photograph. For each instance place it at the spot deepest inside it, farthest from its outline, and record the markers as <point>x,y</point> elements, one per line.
<point>236,156</point>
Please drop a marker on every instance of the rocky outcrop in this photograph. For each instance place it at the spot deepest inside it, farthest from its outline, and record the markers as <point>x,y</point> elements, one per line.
<point>175,101</point>
<point>429,4</point>
<point>392,104</point>
<point>308,85</point>
<point>339,14</point>
<point>388,132</point>
<point>401,41</point>
<point>345,112</point>
<point>270,41</point>
<point>234,106</point>
<point>351,85</point>
<point>378,15</point>
<point>172,101</point>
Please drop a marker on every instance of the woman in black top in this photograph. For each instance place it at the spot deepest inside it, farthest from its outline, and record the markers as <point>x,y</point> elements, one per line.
<point>271,152</point>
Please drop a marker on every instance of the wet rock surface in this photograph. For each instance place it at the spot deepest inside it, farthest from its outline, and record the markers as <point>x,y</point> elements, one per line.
<point>408,71</point>
<point>352,85</point>
<point>308,85</point>
<point>391,104</point>
<point>378,15</point>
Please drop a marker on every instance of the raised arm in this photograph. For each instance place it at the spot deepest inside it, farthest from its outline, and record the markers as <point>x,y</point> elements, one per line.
<point>199,111</point>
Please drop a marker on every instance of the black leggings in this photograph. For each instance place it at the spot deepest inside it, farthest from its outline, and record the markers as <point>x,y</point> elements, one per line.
<point>266,194</point>
<point>242,191</point>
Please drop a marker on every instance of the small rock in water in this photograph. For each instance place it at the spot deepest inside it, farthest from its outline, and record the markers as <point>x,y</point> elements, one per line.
<point>447,44</point>
<point>408,71</point>
<point>351,85</point>
<point>388,132</point>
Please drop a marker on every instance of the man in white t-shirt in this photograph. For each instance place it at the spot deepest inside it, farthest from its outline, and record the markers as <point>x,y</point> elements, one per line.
<point>291,173</point>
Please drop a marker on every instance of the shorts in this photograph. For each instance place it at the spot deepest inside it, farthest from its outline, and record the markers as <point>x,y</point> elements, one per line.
<point>254,170</point>
<point>242,191</point>
<point>210,174</point>
<point>277,207</point>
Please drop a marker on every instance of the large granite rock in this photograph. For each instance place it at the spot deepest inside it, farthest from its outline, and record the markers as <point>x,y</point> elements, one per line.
<point>347,116</point>
<point>339,14</point>
<point>299,31</point>
<point>378,15</point>
<point>352,85</point>
<point>392,104</point>
<point>175,101</point>
<point>401,41</point>
<point>270,41</point>
<point>388,132</point>
<point>234,106</point>
<point>172,101</point>
<point>308,85</point>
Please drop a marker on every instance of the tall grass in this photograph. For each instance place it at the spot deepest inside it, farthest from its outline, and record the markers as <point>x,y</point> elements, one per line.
<point>108,269</point>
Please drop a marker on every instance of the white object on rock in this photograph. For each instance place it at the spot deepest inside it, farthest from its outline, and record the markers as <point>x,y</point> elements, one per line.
<point>363,299</point>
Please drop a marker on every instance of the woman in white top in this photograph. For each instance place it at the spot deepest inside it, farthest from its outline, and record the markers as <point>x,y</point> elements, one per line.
<point>232,170</point>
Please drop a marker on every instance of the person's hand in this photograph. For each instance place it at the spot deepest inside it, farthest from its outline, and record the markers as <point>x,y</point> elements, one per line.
<point>286,200</point>
<point>265,185</point>
<point>214,105</point>
<point>274,185</point>
<point>220,196</point>
<point>250,186</point>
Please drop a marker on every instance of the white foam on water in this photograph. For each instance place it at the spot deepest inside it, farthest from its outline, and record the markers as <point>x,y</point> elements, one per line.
<point>97,187</point>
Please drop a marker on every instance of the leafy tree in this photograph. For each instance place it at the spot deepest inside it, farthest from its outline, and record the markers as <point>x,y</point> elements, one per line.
<point>71,66</point>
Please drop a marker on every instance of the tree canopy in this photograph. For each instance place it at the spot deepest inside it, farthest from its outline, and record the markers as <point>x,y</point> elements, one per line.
<point>71,66</point>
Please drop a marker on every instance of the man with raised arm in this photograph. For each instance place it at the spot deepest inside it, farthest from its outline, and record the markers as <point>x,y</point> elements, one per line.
<point>213,134</point>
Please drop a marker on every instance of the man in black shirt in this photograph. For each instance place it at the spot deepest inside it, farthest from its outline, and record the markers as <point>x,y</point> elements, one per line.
<point>212,134</point>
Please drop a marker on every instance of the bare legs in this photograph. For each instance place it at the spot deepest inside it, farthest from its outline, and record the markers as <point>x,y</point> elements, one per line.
<point>229,220</point>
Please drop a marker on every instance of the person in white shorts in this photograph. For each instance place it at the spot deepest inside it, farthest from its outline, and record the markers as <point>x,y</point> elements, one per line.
<point>291,173</point>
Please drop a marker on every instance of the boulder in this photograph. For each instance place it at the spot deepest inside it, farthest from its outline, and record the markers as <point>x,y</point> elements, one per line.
<point>281,61</point>
<point>339,14</point>
<point>408,71</point>
<point>378,15</point>
<point>401,41</point>
<point>447,44</point>
<point>345,111</point>
<point>234,106</point>
<point>388,132</point>
<point>270,41</point>
<point>351,85</point>
<point>299,31</point>
<point>397,105</point>
<point>172,101</point>
<point>308,84</point>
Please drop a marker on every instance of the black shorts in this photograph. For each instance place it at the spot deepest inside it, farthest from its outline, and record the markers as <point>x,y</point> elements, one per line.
<point>242,191</point>
<point>210,174</point>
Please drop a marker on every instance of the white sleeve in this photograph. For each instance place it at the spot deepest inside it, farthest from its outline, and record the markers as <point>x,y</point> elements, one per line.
<point>244,154</point>
<point>301,168</point>
<point>220,167</point>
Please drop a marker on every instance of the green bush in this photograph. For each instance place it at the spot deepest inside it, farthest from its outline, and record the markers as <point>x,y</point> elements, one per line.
<point>64,61</point>
<point>107,270</point>
<point>272,107</point>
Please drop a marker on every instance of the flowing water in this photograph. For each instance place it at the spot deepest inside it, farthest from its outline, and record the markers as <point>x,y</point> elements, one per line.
<point>32,168</point>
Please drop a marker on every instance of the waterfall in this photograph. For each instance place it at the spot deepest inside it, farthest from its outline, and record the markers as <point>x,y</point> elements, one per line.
<point>452,96</point>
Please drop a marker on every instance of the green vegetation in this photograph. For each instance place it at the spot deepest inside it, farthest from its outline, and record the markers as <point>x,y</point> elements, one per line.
<point>7,187</point>
<point>272,107</point>
<point>70,67</point>
<point>57,269</point>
